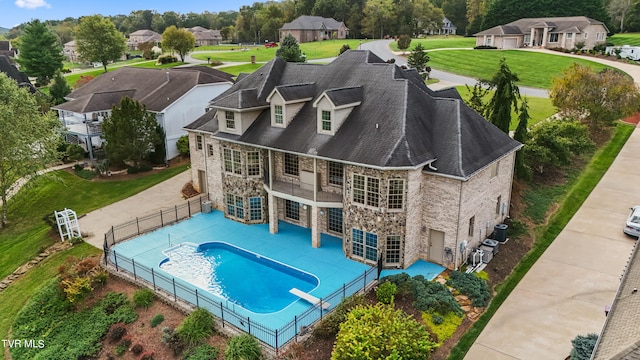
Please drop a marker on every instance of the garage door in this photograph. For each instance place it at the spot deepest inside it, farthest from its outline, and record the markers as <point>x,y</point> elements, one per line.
<point>510,43</point>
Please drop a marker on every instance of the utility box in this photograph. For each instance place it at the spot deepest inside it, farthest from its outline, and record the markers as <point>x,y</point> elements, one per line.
<point>494,244</point>
<point>500,232</point>
<point>487,253</point>
<point>206,207</point>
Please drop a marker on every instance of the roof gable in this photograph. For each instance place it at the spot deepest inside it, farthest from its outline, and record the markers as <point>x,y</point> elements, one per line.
<point>399,123</point>
<point>556,24</point>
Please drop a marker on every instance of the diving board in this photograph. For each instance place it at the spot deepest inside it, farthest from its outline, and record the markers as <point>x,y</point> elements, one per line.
<point>309,298</point>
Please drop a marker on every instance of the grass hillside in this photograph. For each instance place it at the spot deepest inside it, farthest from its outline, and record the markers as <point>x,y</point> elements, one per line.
<point>632,39</point>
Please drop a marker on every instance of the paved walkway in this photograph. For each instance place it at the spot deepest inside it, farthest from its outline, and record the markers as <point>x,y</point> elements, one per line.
<point>159,197</point>
<point>565,292</point>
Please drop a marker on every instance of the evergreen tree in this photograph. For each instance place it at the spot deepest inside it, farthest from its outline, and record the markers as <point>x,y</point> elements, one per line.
<point>40,52</point>
<point>521,134</point>
<point>130,133</point>
<point>418,60</point>
<point>59,89</point>
<point>289,50</point>
<point>403,42</point>
<point>505,97</point>
<point>98,40</point>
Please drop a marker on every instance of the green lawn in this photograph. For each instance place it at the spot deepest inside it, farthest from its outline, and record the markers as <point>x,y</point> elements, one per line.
<point>632,39</point>
<point>27,234</point>
<point>439,42</point>
<point>313,50</point>
<point>539,108</point>
<point>534,69</point>
<point>237,69</point>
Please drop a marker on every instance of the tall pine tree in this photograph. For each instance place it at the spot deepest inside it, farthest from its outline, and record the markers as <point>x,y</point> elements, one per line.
<point>505,97</point>
<point>522,134</point>
<point>40,52</point>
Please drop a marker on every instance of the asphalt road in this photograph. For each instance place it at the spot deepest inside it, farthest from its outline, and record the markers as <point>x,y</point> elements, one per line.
<point>381,48</point>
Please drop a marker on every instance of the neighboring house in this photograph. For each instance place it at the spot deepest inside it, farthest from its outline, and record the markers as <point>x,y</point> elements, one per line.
<point>447,28</point>
<point>176,96</point>
<point>143,36</point>
<point>358,149</point>
<point>555,32</point>
<point>70,50</point>
<point>7,67</point>
<point>6,49</point>
<point>620,335</point>
<point>205,36</point>
<point>314,28</point>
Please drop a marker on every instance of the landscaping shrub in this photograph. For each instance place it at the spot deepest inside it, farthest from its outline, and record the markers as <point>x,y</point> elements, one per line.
<point>116,332</point>
<point>442,327</point>
<point>583,346</point>
<point>243,347</point>
<point>121,349</point>
<point>126,341</point>
<point>140,168</point>
<point>171,339</point>
<point>485,47</point>
<point>381,332</point>
<point>137,349</point>
<point>196,327</point>
<point>472,286</point>
<point>147,355</point>
<point>167,59</point>
<point>344,48</point>
<point>157,320</point>
<point>330,324</point>
<point>386,292</point>
<point>482,275</point>
<point>183,145</point>
<point>202,352</point>
<point>49,315</point>
<point>74,152</point>
<point>77,288</point>
<point>143,298</point>
<point>428,295</point>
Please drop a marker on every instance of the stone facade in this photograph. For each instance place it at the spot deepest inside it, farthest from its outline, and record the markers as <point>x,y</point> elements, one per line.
<point>431,202</point>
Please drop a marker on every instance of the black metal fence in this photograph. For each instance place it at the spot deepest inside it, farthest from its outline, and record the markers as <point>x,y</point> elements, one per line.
<point>225,310</point>
<point>155,221</point>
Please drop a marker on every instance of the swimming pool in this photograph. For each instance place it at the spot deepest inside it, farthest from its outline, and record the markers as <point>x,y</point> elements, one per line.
<point>252,281</point>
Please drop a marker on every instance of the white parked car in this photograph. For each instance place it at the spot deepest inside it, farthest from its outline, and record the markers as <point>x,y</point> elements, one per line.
<point>633,222</point>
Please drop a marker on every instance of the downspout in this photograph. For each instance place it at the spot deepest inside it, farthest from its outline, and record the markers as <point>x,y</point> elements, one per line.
<point>458,227</point>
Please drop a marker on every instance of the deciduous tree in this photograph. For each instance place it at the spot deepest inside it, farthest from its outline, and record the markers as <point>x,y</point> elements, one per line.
<point>597,99</point>
<point>403,42</point>
<point>289,50</point>
<point>377,14</point>
<point>98,40</point>
<point>179,40</point>
<point>129,132</point>
<point>40,52</point>
<point>29,138</point>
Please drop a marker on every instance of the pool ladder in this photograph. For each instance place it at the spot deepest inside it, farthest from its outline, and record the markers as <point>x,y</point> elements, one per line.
<point>169,237</point>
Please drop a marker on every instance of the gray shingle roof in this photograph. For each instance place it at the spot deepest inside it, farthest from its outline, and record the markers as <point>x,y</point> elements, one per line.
<point>344,96</point>
<point>620,336</point>
<point>13,73</point>
<point>155,88</point>
<point>399,123</point>
<point>306,22</point>
<point>555,24</point>
<point>207,122</point>
<point>296,91</point>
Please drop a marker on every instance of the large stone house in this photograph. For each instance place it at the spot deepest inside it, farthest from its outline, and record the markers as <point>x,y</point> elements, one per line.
<point>143,36</point>
<point>554,32</point>
<point>314,28</point>
<point>205,36</point>
<point>176,96</point>
<point>358,149</point>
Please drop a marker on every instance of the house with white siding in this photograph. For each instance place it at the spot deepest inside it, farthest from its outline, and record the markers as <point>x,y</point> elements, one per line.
<point>358,149</point>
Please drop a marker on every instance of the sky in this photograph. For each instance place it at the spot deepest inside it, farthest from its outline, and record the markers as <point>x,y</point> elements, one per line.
<point>15,12</point>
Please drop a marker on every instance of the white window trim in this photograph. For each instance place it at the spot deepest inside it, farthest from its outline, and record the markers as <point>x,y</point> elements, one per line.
<point>403,195</point>
<point>199,142</point>
<point>365,246</point>
<point>259,163</point>
<point>557,36</point>
<point>226,121</point>
<point>387,250</point>
<point>233,164</point>
<point>273,116</point>
<point>331,120</point>
<point>366,192</point>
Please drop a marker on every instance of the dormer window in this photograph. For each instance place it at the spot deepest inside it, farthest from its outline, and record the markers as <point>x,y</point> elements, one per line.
<point>230,119</point>
<point>326,120</point>
<point>278,116</point>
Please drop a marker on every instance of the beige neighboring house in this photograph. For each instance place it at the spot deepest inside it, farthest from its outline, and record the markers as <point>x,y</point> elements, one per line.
<point>205,36</point>
<point>70,51</point>
<point>143,36</point>
<point>314,28</point>
<point>360,150</point>
<point>553,32</point>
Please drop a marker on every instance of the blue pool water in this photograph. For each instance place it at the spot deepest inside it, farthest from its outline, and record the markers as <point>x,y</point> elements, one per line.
<point>254,282</point>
